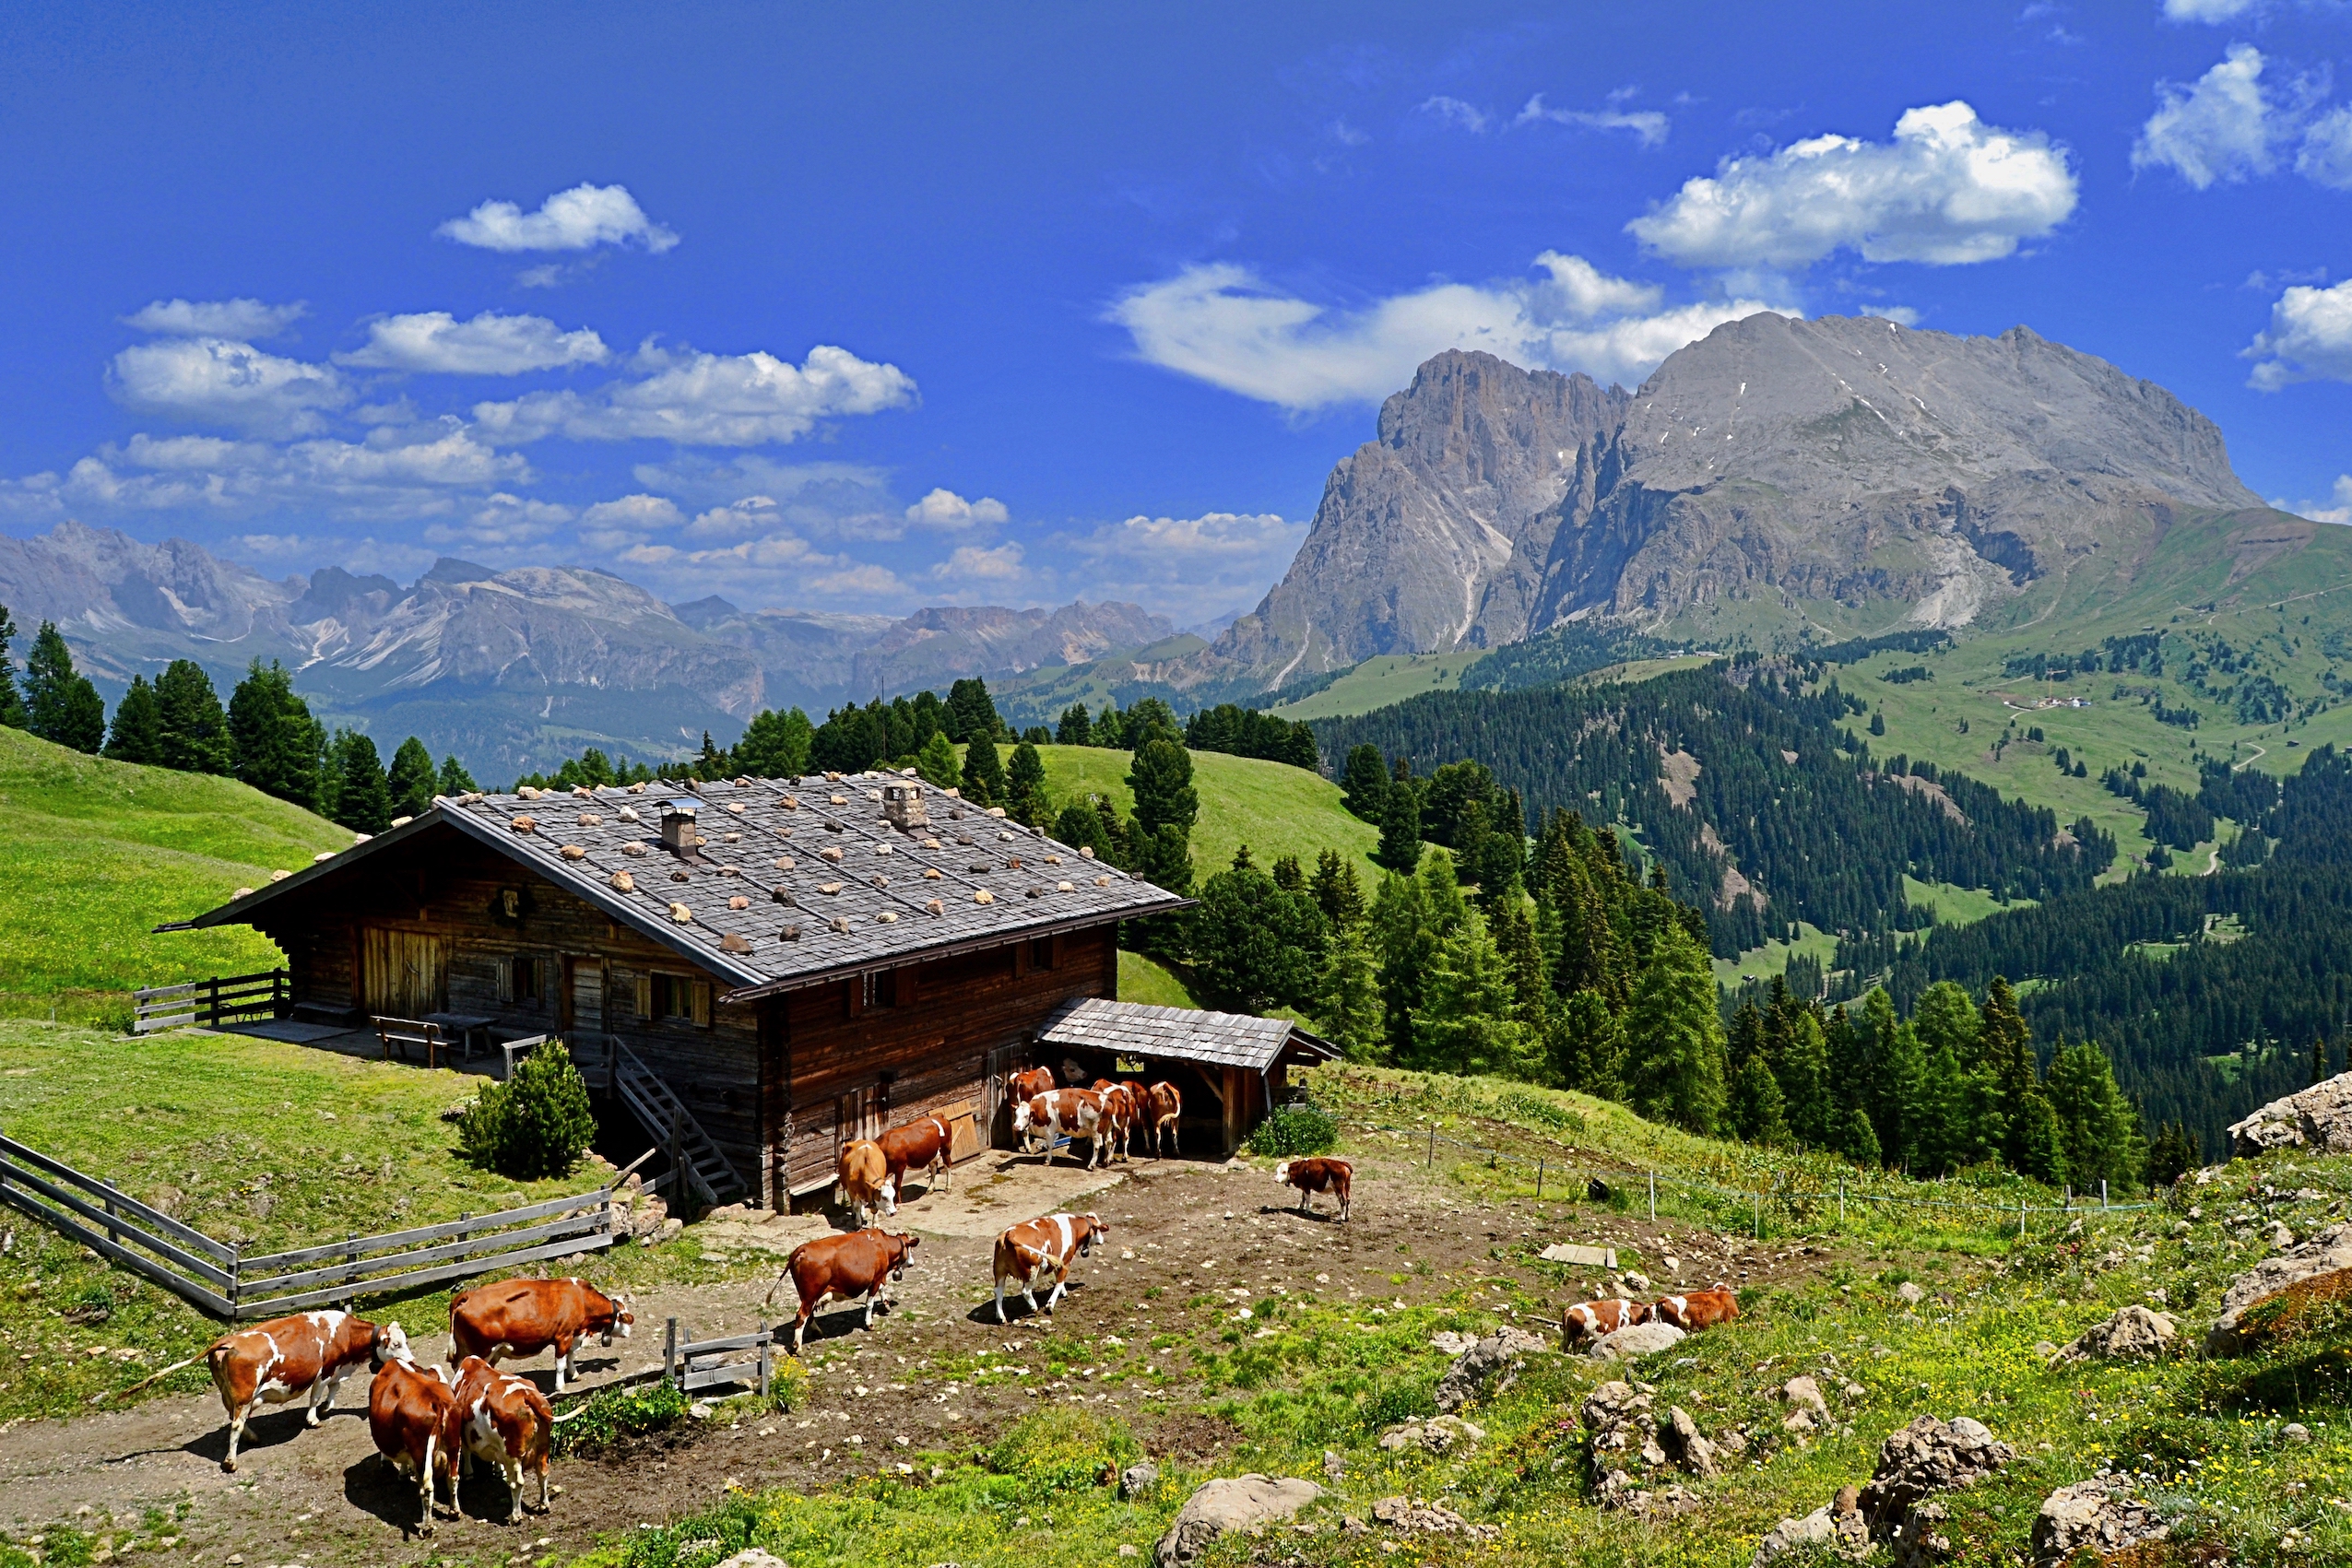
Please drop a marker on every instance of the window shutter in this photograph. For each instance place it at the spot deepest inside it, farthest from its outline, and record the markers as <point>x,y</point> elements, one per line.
<point>506,979</point>
<point>702,1003</point>
<point>645,996</point>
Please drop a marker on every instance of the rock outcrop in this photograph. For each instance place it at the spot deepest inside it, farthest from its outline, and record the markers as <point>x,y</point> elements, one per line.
<point>1489,1366</point>
<point>2101,1515</point>
<point>2328,1251</point>
<point>2132,1333</point>
<point>1637,1340</point>
<point>1835,1529</point>
<point>2319,1119</point>
<point>1232,1502</point>
<point>1917,1465</point>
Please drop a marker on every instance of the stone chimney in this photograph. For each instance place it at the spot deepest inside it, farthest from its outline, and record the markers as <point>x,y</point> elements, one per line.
<point>903,806</point>
<point>677,834</point>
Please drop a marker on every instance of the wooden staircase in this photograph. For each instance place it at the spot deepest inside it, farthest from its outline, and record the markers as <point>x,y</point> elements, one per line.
<point>708,1172</point>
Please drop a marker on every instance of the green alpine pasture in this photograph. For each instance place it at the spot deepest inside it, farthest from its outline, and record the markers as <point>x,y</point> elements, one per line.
<point>1274,808</point>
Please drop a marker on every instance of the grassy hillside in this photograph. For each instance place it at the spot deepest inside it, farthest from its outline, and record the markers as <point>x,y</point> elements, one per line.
<point>97,853</point>
<point>1378,681</point>
<point>1274,808</point>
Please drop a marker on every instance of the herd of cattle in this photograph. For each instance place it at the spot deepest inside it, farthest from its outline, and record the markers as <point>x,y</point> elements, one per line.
<point>434,1421</point>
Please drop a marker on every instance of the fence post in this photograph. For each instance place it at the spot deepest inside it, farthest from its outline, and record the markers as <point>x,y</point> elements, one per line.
<point>236,1278</point>
<point>213,993</point>
<point>669,1353</point>
<point>1841,1200</point>
<point>111,1233</point>
<point>2021,1219</point>
<point>1430,1161</point>
<point>1653,1198</point>
<point>767,1348</point>
<point>2102,1192</point>
<point>1539,1181</point>
<point>351,1256</point>
<point>1758,1198</point>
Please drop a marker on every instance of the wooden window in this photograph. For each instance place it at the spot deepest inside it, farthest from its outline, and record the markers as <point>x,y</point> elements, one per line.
<point>646,997</point>
<point>877,988</point>
<point>1041,953</point>
<point>676,997</point>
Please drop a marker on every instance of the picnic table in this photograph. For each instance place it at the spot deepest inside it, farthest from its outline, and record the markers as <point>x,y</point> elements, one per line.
<point>463,1027</point>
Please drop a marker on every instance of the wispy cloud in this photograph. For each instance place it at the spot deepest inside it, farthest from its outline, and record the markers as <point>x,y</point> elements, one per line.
<point>1647,124</point>
<point>578,219</point>
<point>489,345</point>
<point>216,318</point>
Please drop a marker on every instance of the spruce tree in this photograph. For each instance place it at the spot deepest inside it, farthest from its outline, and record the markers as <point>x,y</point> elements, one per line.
<point>274,741</point>
<point>1465,1024</point>
<point>1399,848</point>
<point>2007,1048</point>
<point>1161,779</point>
<point>2098,1126</point>
<point>195,730</point>
<point>1753,1107</point>
<point>1674,1059</point>
<point>62,705</point>
<point>455,779</point>
<point>984,780</point>
<point>12,703</point>
<point>1585,1046</point>
<point>1523,961</point>
<point>1077,726</point>
<point>1347,996</point>
<point>1803,1073</point>
<point>1364,784</point>
<point>775,745</point>
<point>1404,945</point>
<point>1254,946</point>
<point>1443,907</point>
<point>411,779</point>
<point>363,797</point>
<point>939,764</point>
<point>1858,1140</point>
<point>972,713</point>
<point>2039,1140</point>
<point>137,735</point>
<point>1027,804</point>
<point>1339,893</point>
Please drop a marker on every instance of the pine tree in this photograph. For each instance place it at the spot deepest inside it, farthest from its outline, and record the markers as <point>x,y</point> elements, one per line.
<point>1364,784</point>
<point>1399,847</point>
<point>2100,1128</point>
<point>274,741</point>
<point>64,706</point>
<point>1753,1107</point>
<point>411,779</point>
<point>137,735</point>
<point>1160,778</point>
<point>1800,1062</point>
<point>12,704</point>
<point>1465,1024</point>
<point>713,762</point>
<point>362,798</point>
<point>937,762</point>
<point>1339,893</point>
<point>1347,996</point>
<point>2005,1047</point>
<point>2174,1155</point>
<point>1404,945</point>
<point>195,730</point>
<point>1586,1045</point>
<point>972,713</point>
<point>1674,1059</point>
<point>1523,962</point>
<point>1077,726</point>
<point>1907,1135</point>
<point>2039,1141</point>
<point>1858,1140</point>
<point>455,779</point>
<point>775,745</point>
<point>1254,946</point>
<point>984,780</point>
<point>1027,804</point>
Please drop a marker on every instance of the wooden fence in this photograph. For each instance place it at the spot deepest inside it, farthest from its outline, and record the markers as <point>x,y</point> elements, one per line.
<point>219,1000</point>
<point>706,1363</point>
<point>221,1280</point>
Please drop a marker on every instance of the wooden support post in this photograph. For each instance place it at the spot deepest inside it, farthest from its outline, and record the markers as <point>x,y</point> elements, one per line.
<point>1841,1200</point>
<point>767,1348</point>
<point>2102,1192</point>
<point>1539,1181</point>
<point>351,1256</point>
<point>2021,1218</point>
<point>1653,1198</point>
<point>212,993</point>
<point>235,1281</point>
<point>669,1353</point>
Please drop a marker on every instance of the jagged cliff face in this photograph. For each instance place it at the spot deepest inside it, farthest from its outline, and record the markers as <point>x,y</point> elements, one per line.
<point>1847,458</point>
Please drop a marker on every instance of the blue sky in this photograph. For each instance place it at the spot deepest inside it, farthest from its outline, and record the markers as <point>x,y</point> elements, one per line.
<point>869,308</point>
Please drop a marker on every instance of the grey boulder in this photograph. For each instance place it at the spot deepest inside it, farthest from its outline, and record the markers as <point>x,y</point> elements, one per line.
<point>2319,1119</point>
<point>2134,1333</point>
<point>1638,1341</point>
<point>1829,1530</point>
<point>1487,1367</point>
<point>2100,1513</point>
<point>2323,1253</point>
<point>1228,1504</point>
<point>1918,1464</point>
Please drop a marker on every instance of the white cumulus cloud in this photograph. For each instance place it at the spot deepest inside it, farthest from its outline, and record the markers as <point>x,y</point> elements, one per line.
<point>945,509</point>
<point>2309,339</point>
<point>216,318</point>
<point>578,219</point>
<point>971,564</point>
<point>1947,190</point>
<point>2221,127</point>
<point>752,400</point>
<point>217,381</point>
<point>2210,10</point>
<point>2322,512</point>
<point>489,345</point>
<point>501,518</point>
<point>1647,125</point>
<point>1190,569</point>
<point>1220,324</point>
<point>2325,157</point>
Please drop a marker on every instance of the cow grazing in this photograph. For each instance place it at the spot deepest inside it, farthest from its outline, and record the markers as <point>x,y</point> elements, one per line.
<point>307,1356</point>
<point>844,1267</point>
<point>501,1420</point>
<point>1318,1175</point>
<point>1698,1309</point>
<point>412,1416</point>
<point>1026,1086</point>
<point>1164,1106</point>
<point>1065,1113</point>
<point>522,1317</point>
<point>863,1179</point>
<point>1044,1249</point>
<point>923,1144</point>
<point>1588,1321</point>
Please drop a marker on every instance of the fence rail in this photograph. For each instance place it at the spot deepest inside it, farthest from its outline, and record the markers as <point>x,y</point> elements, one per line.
<point>219,1278</point>
<point>218,1000</point>
<point>706,1363</point>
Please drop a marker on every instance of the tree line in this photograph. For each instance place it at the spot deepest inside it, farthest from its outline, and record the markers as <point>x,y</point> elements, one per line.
<point>264,736</point>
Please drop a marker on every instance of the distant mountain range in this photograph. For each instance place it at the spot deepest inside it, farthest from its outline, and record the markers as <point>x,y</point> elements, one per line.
<point>1776,481</point>
<point>511,669</point>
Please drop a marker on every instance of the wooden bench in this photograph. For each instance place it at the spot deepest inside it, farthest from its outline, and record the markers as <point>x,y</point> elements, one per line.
<point>405,1032</point>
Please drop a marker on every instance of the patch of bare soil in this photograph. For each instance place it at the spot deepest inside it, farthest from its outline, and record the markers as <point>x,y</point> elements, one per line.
<point>1179,1229</point>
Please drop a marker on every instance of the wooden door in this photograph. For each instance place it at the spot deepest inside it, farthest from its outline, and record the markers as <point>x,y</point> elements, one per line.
<point>854,1117</point>
<point>405,973</point>
<point>583,1004</point>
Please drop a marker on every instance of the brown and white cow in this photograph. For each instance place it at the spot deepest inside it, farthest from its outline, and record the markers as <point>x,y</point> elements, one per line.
<point>1065,1113</point>
<point>522,1317</point>
<point>1164,1106</point>
<point>922,1144</point>
<point>844,1267</point>
<point>1025,1086</point>
<point>1044,1249</point>
<point>501,1420</point>
<point>306,1356</point>
<point>411,1411</point>
<point>1122,1114</point>
<point>1317,1174</point>
<point>1588,1321</point>
<point>862,1177</point>
<point>1698,1309</point>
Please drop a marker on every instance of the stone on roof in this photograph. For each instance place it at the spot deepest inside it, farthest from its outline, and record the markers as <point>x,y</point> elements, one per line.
<point>1186,1034</point>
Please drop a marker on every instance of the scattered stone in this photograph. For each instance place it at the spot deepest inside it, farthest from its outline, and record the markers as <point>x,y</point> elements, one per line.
<point>1450,1343</point>
<point>1637,1340</point>
<point>2099,1514</point>
<point>1333,1466</point>
<point>1488,1367</point>
<point>1403,1514</point>
<point>1638,1283</point>
<point>2044,1349</point>
<point>2295,1432</point>
<point>1835,1528</point>
<point>1915,1465</point>
<point>1230,1503</point>
<point>1621,1444</point>
<point>1909,1293</point>
<point>1805,1394</point>
<point>752,1557</point>
<point>2134,1333</point>
<point>2325,1252</point>
<point>1138,1480</point>
<point>2279,1236</point>
<point>2319,1119</point>
<point>1686,1446</point>
<point>1438,1435</point>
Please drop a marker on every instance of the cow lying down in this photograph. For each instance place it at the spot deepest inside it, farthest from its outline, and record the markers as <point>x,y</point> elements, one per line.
<point>844,1267</point>
<point>1588,1321</point>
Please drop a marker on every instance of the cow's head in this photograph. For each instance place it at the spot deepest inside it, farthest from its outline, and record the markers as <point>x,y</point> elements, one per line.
<point>1095,1228</point>
<point>899,1247</point>
<point>1282,1172</point>
<point>1020,1116</point>
<point>887,1192</point>
<point>391,1345</point>
<point>621,1318</point>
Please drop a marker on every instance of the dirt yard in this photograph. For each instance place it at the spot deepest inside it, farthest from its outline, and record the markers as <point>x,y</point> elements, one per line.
<point>1178,1231</point>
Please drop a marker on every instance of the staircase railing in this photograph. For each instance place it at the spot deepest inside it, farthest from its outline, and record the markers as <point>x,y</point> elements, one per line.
<point>694,1155</point>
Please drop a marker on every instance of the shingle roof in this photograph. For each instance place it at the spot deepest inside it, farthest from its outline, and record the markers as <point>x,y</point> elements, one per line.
<point>828,886</point>
<point>1136,1028</point>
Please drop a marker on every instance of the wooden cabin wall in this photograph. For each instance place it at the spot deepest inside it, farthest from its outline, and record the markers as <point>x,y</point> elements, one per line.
<point>936,1042</point>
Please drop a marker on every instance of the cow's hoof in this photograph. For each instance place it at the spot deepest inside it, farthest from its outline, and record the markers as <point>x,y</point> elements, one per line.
<point>228,1466</point>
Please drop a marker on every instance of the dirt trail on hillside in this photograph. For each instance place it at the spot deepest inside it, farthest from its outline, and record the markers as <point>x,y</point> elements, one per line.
<point>1188,1227</point>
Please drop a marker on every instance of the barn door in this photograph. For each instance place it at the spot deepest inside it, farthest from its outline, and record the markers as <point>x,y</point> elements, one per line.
<point>854,1117</point>
<point>583,1006</point>
<point>406,973</point>
<point>1002,1063</point>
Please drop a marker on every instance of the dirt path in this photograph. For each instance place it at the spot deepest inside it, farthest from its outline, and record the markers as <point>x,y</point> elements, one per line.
<point>1185,1227</point>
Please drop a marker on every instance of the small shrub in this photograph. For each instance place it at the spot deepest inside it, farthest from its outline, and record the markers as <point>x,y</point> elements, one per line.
<point>1295,1129</point>
<point>613,1413</point>
<point>534,1125</point>
<point>1062,1449</point>
<point>1397,1402</point>
<point>1521,1105</point>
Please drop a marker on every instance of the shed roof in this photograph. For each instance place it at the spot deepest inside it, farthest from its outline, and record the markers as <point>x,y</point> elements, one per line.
<point>831,887</point>
<point>1185,1034</point>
